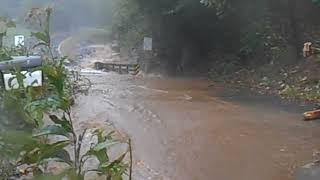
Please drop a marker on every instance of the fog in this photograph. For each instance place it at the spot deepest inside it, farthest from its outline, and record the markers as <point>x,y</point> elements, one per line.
<point>69,15</point>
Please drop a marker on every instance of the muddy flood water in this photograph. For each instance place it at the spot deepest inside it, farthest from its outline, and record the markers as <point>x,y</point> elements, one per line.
<point>195,129</point>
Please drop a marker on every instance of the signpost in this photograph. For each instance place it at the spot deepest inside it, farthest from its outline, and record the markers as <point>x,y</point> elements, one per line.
<point>147,44</point>
<point>19,40</point>
<point>147,47</point>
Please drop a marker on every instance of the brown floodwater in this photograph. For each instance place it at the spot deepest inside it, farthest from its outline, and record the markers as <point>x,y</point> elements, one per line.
<point>182,129</point>
<point>195,129</point>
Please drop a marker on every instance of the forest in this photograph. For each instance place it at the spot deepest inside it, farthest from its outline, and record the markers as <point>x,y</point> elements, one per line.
<point>185,30</point>
<point>188,32</point>
<point>248,43</point>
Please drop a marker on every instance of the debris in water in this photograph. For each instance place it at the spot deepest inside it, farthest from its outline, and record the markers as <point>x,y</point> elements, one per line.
<point>312,115</point>
<point>156,90</point>
<point>187,97</point>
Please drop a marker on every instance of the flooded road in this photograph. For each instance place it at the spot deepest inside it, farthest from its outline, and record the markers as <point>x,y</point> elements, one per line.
<point>182,129</point>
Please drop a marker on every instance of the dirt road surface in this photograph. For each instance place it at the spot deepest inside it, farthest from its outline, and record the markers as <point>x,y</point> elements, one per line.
<point>182,129</point>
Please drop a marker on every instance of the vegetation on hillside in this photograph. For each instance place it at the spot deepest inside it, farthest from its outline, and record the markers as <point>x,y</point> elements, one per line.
<point>185,30</point>
<point>28,145</point>
<point>255,43</point>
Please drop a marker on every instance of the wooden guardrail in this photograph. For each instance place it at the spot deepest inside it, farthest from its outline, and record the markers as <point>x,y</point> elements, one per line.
<point>120,68</point>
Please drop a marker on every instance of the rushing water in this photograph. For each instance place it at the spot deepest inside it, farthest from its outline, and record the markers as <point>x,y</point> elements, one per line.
<point>194,129</point>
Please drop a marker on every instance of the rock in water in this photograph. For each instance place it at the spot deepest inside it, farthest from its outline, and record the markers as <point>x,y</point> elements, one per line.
<point>309,172</point>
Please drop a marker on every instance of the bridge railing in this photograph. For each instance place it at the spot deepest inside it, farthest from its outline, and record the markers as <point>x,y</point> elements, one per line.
<point>120,68</point>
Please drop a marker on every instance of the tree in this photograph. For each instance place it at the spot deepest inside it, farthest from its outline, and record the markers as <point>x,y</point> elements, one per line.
<point>5,24</point>
<point>316,2</point>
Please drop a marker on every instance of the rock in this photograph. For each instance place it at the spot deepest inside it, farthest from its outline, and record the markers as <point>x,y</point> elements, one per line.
<point>310,171</point>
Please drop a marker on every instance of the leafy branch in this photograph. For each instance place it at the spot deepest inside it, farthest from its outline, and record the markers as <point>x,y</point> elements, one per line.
<point>36,148</point>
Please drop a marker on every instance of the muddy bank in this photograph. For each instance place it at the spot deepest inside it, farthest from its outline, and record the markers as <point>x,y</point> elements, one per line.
<point>298,81</point>
<point>245,95</point>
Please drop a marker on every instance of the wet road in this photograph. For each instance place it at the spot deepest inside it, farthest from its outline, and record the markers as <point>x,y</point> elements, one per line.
<point>185,130</point>
<point>182,131</point>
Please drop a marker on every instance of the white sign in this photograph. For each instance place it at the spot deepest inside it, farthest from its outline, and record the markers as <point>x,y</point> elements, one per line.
<point>33,79</point>
<point>147,44</point>
<point>19,40</point>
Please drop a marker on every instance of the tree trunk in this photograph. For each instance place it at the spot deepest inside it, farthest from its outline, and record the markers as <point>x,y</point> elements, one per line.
<point>294,37</point>
<point>1,40</point>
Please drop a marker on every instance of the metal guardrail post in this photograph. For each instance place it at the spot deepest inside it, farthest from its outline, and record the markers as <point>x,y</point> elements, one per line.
<point>25,63</point>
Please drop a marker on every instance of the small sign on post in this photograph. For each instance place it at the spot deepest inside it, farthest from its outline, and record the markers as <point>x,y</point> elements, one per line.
<point>147,44</point>
<point>147,55</point>
<point>19,40</point>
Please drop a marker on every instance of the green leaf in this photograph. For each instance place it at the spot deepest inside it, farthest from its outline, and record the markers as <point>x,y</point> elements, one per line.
<point>99,134</point>
<point>51,103</point>
<point>102,155</point>
<point>41,153</point>
<point>63,122</point>
<point>56,76</point>
<point>63,156</point>
<point>48,11</point>
<point>37,117</point>
<point>108,165</point>
<point>14,142</point>
<point>100,150</point>
<point>52,150</point>
<point>39,44</point>
<point>105,145</point>
<point>41,36</point>
<point>60,176</point>
<point>52,130</point>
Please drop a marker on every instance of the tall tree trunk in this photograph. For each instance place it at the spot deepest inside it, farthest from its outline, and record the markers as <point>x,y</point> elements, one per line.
<point>1,40</point>
<point>294,36</point>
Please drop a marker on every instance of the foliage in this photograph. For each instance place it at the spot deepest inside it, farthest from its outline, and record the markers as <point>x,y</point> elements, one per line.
<point>167,21</point>
<point>5,24</point>
<point>316,2</point>
<point>250,29</point>
<point>259,35</point>
<point>52,143</point>
<point>219,5</point>
<point>7,52</point>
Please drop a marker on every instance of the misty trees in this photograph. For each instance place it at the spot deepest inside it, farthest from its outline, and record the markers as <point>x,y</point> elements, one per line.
<point>250,29</point>
<point>175,25</point>
<point>5,24</point>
